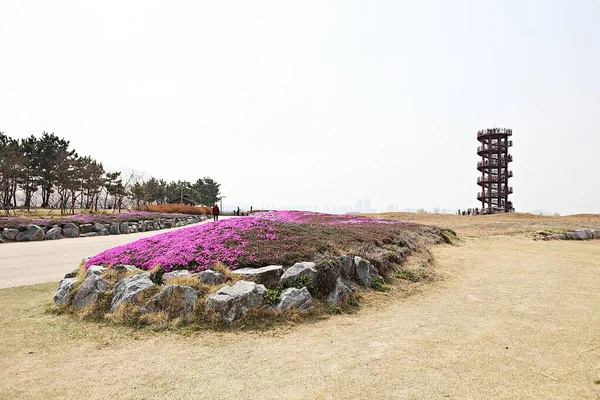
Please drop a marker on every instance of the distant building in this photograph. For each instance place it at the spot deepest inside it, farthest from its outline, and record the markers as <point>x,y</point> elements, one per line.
<point>188,201</point>
<point>367,206</point>
<point>359,206</point>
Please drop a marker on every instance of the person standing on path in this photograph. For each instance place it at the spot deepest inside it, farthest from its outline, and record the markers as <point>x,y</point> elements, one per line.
<point>215,213</point>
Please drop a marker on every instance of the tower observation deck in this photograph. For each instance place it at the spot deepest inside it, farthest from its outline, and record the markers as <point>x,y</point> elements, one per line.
<point>494,170</point>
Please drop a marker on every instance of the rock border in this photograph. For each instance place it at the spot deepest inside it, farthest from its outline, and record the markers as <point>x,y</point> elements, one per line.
<point>580,234</point>
<point>180,294</point>
<point>33,233</point>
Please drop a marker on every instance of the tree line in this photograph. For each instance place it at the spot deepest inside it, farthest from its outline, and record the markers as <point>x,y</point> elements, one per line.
<point>45,172</point>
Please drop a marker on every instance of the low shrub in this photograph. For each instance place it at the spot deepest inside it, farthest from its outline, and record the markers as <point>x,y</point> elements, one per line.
<point>273,296</point>
<point>412,275</point>
<point>379,284</point>
<point>304,281</point>
<point>178,209</point>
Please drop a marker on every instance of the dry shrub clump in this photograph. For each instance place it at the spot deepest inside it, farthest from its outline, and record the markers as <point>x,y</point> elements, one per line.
<point>230,277</point>
<point>178,209</point>
<point>192,282</point>
<point>327,273</point>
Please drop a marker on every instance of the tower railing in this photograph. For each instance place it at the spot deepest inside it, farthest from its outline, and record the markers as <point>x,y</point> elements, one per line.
<point>493,162</point>
<point>494,147</point>
<point>494,131</point>
<point>495,178</point>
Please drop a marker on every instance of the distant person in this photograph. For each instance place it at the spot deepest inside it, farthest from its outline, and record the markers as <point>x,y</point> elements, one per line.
<point>238,211</point>
<point>250,209</point>
<point>215,213</point>
<point>459,211</point>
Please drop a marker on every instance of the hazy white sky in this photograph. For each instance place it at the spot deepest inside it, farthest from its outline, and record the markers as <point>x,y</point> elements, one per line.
<point>316,102</point>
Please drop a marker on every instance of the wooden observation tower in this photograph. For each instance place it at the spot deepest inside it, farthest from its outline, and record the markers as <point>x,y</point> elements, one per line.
<point>494,170</point>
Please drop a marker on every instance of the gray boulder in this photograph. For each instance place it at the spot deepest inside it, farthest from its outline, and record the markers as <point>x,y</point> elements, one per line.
<point>265,275</point>
<point>3,239</point>
<point>232,302</point>
<point>292,274</point>
<point>10,234</point>
<point>103,232</point>
<point>133,228</point>
<point>53,234</point>
<point>597,234</point>
<point>348,266</point>
<point>98,227</point>
<point>210,277</point>
<point>176,301</point>
<point>70,230</point>
<point>124,228</point>
<point>579,235</point>
<point>365,271</point>
<point>63,294</point>
<point>114,229</point>
<point>89,291</point>
<point>142,226</point>
<point>295,299</point>
<point>175,274</point>
<point>130,290</point>
<point>589,234</point>
<point>340,292</point>
<point>557,236</point>
<point>90,234</point>
<point>96,270</point>
<point>32,234</point>
<point>86,228</point>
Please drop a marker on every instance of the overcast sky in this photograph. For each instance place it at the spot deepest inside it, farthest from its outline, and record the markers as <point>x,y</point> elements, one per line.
<point>316,102</point>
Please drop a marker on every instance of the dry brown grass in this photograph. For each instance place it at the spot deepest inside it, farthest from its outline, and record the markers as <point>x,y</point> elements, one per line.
<point>230,277</point>
<point>193,283</point>
<point>521,324</point>
<point>501,224</point>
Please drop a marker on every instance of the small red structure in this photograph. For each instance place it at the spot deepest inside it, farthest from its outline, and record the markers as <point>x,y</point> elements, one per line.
<point>494,170</point>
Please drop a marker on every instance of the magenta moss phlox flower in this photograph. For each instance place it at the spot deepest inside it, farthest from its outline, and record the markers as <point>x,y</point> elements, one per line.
<point>201,247</point>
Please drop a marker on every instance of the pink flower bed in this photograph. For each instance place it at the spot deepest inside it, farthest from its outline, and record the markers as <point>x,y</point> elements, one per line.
<point>307,217</point>
<point>10,222</point>
<point>230,241</point>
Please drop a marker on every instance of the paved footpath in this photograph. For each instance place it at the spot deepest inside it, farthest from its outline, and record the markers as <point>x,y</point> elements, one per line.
<point>31,263</point>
